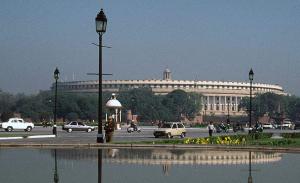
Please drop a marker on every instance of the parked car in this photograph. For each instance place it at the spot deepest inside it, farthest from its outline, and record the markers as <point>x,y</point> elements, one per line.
<point>77,126</point>
<point>170,129</point>
<point>17,124</point>
<point>286,125</point>
<point>268,126</point>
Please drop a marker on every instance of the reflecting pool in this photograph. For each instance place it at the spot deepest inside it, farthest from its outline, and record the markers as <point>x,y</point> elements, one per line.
<point>146,165</point>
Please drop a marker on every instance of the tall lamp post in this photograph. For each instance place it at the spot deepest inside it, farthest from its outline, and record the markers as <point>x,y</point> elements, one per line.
<point>133,100</point>
<point>251,74</point>
<point>56,77</point>
<point>228,120</point>
<point>101,23</point>
<point>205,108</point>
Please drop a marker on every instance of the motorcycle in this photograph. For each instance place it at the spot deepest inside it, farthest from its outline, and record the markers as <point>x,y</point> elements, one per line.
<point>133,129</point>
<point>222,129</point>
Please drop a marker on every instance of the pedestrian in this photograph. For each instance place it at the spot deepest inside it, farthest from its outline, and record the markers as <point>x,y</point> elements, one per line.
<point>211,128</point>
<point>109,129</point>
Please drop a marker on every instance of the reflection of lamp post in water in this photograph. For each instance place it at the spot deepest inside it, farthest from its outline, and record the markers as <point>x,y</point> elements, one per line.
<point>99,165</point>
<point>250,169</point>
<point>56,179</point>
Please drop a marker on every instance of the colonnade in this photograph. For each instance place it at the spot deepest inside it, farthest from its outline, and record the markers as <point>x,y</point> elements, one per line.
<point>222,104</point>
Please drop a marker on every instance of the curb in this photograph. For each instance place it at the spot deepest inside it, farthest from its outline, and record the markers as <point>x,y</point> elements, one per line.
<point>27,137</point>
<point>10,138</point>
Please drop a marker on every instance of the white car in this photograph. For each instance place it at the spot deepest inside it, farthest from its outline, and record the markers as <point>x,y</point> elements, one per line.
<point>170,129</point>
<point>17,124</point>
<point>268,126</point>
<point>287,125</point>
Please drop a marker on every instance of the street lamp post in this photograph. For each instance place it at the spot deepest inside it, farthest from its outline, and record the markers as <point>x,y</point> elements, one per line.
<point>56,77</point>
<point>228,120</point>
<point>205,108</point>
<point>251,74</point>
<point>101,23</point>
<point>133,100</point>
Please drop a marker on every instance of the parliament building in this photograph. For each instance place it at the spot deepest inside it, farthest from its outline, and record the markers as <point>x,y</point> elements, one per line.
<point>219,97</point>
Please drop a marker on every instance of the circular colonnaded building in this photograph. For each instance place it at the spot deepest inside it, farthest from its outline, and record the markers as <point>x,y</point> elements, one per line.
<point>219,97</point>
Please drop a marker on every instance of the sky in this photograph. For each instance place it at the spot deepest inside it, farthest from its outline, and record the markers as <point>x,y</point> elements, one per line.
<point>196,39</point>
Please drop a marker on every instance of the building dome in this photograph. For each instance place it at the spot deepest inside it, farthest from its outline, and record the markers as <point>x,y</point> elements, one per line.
<point>167,74</point>
<point>167,70</point>
<point>113,102</point>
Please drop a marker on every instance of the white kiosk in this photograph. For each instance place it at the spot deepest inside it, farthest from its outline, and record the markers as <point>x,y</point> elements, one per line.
<point>114,111</point>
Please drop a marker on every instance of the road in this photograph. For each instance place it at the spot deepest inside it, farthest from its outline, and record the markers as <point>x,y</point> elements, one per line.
<point>122,135</point>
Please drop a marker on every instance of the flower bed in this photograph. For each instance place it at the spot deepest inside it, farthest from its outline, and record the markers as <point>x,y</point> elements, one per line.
<point>223,140</point>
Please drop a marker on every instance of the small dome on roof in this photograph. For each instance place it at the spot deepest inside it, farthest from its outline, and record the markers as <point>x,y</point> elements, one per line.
<point>167,70</point>
<point>113,102</point>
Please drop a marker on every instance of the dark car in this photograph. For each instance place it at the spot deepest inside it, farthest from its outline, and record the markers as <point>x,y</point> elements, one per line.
<point>77,126</point>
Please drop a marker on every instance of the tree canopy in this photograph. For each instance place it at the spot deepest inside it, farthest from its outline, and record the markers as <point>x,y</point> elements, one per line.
<point>70,106</point>
<point>276,106</point>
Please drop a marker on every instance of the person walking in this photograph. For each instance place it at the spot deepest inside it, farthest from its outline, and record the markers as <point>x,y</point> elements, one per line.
<point>109,129</point>
<point>211,128</point>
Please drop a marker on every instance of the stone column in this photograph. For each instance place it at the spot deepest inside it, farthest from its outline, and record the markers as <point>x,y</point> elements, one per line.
<point>215,105</point>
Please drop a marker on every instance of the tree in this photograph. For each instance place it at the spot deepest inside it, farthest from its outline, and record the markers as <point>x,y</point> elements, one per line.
<point>7,105</point>
<point>268,103</point>
<point>181,104</point>
<point>293,107</point>
<point>141,101</point>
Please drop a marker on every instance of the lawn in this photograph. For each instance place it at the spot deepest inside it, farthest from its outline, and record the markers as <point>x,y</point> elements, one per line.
<point>11,135</point>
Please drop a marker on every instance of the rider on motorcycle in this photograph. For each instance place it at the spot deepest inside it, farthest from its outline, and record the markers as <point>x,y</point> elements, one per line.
<point>133,125</point>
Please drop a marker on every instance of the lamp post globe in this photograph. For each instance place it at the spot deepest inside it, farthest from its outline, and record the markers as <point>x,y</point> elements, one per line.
<point>101,22</point>
<point>56,77</point>
<point>56,74</point>
<point>251,75</point>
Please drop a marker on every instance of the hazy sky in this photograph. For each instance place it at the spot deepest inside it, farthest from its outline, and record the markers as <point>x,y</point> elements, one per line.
<point>195,39</point>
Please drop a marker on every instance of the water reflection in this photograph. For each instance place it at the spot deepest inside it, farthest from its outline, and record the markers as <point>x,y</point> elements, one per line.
<point>168,158</point>
<point>99,165</point>
<point>172,157</point>
<point>149,165</point>
<point>56,179</point>
<point>250,168</point>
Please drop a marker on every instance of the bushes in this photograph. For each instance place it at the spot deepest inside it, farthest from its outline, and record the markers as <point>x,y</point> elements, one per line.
<point>259,136</point>
<point>290,135</point>
<point>274,142</point>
